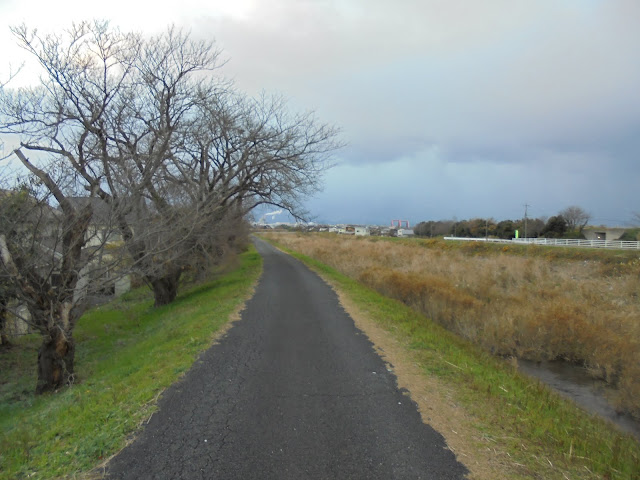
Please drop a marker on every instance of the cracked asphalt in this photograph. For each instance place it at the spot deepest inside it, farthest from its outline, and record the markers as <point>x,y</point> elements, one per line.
<point>293,391</point>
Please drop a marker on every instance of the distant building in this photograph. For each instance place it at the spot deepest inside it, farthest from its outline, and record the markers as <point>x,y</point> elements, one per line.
<point>347,230</point>
<point>602,233</point>
<point>405,232</point>
<point>362,231</point>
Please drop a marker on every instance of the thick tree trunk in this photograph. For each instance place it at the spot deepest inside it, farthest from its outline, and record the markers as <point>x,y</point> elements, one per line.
<point>165,289</point>
<point>55,361</point>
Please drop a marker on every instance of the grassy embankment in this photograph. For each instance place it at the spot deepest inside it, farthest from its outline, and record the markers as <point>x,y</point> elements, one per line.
<point>127,353</point>
<point>529,302</point>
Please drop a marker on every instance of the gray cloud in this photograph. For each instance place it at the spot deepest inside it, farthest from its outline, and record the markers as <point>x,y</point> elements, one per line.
<point>445,73</point>
<point>451,107</point>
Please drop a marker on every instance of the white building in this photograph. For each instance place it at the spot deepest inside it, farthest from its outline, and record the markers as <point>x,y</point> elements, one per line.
<point>405,232</point>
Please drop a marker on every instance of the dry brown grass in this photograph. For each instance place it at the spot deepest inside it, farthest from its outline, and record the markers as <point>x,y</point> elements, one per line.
<point>539,307</point>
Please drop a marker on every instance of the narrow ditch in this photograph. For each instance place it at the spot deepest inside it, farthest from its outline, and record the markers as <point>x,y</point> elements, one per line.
<point>574,382</point>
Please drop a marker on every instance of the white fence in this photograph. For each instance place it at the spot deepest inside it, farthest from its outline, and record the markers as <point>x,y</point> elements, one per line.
<point>557,242</point>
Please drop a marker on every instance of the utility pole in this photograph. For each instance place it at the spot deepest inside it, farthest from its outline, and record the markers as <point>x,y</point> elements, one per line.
<point>526,206</point>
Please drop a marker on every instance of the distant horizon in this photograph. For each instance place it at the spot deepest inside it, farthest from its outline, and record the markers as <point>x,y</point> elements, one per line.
<point>412,224</point>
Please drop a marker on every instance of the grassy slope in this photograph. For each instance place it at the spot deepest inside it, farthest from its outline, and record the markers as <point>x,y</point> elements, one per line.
<point>545,434</point>
<point>127,354</point>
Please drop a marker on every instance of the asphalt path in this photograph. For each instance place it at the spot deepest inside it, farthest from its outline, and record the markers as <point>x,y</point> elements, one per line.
<point>293,391</point>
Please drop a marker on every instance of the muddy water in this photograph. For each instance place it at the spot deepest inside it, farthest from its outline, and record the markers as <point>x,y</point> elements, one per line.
<point>575,383</point>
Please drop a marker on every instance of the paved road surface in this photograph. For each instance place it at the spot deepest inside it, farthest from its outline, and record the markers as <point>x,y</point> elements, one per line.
<point>294,391</point>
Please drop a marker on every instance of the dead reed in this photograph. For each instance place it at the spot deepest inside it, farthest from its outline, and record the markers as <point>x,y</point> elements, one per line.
<point>540,305</point>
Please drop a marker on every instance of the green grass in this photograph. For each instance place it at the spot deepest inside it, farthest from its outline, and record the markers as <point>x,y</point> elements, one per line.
<point>127,353</point>
<point>548,435</point>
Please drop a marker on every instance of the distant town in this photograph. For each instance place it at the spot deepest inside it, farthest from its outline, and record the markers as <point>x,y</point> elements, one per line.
<point>555,227</point>
<point>344,229</point>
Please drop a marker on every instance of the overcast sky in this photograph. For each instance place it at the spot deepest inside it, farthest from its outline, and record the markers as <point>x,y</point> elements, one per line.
<point>449,108</point>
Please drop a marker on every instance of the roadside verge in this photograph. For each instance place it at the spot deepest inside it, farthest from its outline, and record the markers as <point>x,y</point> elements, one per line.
<point>500,423</point>
<point>127,353</point>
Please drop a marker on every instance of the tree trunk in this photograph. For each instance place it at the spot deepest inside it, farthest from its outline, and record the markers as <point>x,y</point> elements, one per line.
<point>165,289</point>
<point>4,338</point>
<point>55,361</point>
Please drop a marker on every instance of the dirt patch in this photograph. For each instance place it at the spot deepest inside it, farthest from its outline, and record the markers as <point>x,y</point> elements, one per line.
<point>435,402</point>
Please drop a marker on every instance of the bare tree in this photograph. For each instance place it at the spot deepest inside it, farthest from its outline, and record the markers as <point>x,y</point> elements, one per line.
<point>243,152</point>
<point>111,106</point>
<point>169,146</point>
<point>3,82</point>
<point>235,153</point>
<point>171,79</point>
<point>248,152</point>
<point>576,218</point>
<point>46,253</point>
<point>7,293</point>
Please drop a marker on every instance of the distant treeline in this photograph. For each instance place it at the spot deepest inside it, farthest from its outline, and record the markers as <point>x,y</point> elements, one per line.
<point>569,223</point>
<point>554,227</point>
<point>481,227</point>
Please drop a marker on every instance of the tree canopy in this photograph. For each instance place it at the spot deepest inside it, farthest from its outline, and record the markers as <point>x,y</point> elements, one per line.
<point>150,130</point>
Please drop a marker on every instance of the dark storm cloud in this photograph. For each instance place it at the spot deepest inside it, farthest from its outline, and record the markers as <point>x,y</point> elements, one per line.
<point>500,102</point>
<point>458,77</point>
